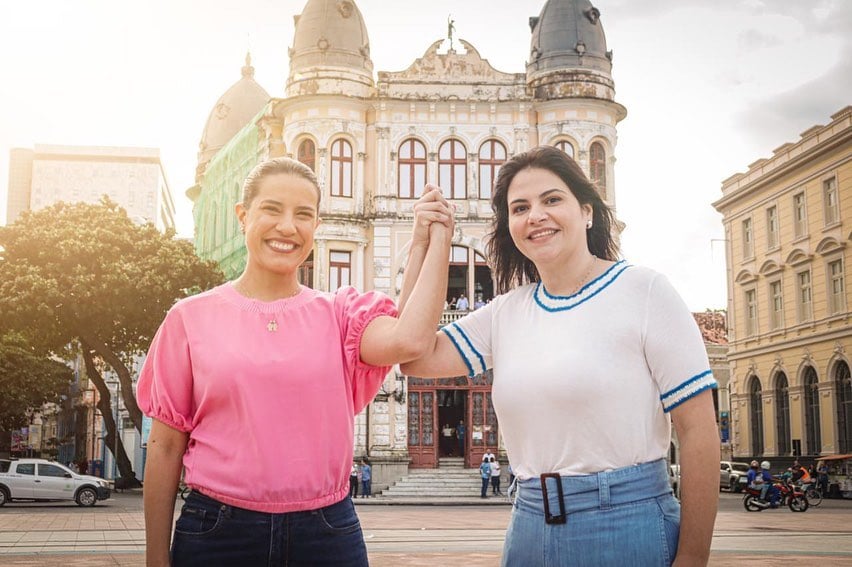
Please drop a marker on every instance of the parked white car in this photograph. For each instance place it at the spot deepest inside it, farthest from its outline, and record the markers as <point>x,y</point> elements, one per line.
<point>40,479</point>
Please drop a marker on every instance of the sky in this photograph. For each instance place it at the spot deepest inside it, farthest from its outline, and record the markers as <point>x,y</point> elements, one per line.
<point>710,86</point>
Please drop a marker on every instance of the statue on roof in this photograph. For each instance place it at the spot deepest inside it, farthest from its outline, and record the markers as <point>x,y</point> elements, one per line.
<point>450,29</point>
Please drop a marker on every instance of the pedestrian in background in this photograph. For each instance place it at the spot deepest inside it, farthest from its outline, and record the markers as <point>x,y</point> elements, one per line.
<point>366,478</point>
<point>495,476</point>
<point>292,366</point>
<point>593,358</point>
<point>354,480</point>
<point>485,475</point>
<point>460,437</point>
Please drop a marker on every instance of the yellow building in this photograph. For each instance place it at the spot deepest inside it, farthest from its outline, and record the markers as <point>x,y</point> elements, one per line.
<point>788,221</point>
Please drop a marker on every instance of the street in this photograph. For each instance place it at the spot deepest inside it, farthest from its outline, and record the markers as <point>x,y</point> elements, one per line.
<point>112,533</point>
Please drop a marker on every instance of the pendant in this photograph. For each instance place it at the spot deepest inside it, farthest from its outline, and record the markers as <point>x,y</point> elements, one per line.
<point>272,326</point>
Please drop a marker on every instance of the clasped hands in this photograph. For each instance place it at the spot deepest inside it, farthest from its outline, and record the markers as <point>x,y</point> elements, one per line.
<point>433,217</point>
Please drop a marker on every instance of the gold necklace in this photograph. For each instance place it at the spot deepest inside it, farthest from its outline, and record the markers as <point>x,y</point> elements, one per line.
<point>272,325</point>
<point>585,276</point>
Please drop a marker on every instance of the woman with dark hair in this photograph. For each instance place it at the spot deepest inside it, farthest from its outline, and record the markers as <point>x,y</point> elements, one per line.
<point>593,358</point>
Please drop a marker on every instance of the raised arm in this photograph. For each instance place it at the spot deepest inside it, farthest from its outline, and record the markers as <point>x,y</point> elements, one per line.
<point>388,340</point>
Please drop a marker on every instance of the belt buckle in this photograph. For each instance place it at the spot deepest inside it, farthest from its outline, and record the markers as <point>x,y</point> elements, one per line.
<point>548,518</point>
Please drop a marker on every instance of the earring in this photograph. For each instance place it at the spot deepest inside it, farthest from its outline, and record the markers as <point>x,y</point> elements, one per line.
<point>588,224</point>
<point>243,228</point>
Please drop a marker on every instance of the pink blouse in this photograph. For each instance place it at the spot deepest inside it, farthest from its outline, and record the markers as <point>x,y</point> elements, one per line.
<point>268,392</point>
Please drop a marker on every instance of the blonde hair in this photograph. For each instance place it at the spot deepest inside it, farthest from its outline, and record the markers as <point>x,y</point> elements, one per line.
<point>275,166</point>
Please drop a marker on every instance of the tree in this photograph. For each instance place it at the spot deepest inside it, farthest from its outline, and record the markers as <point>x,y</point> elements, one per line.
<point>87,275</point>
<point>28,380</point>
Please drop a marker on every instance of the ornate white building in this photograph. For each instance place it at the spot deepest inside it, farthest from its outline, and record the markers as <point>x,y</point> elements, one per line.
<point>374,140</point>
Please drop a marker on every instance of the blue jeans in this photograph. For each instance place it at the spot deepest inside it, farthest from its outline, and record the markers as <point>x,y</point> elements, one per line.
<point>366,488</point>
<point>626,516</point>
<point>209,533</point>
<point>485,481</point>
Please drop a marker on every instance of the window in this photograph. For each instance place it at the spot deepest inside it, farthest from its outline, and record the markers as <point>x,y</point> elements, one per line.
<point>566,147</point>
<point>25,468</point>
<point>756,411</point>
<point>412,169</point>
<point>772,227</point>
<point>776,314</point>
<point>829,196</point>
<point>306,272</point>
<point>50,470</point>
<point>340,270</point>
<point>452,169</point>
<point>836,288</point>
<point>804,296</point>
<point>751,312</point>
<point>492,155</point>
<point>843,393</point>
<point>748,239</point>
<point>782,414</point>
<point>813,433</point>
<point>307,154</point>
<point>341,169</point>
<point>597,167</point>
<point>800,216</point>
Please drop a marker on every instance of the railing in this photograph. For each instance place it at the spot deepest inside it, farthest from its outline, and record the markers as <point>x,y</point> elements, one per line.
<point>451,316</point>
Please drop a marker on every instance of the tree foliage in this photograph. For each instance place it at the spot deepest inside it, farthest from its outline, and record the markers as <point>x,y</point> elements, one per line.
<point>28,380</point>
<point>86,274</point>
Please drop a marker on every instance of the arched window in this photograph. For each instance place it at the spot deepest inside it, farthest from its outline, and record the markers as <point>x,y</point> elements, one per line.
<point>307,154</point>
<point>412,169</point>
<point>782,414</point>
<point>756,410</point>
<point>492,154</point>
<point>566,147</point>
<point>843,387</point>
<point>813,434</point>
<point>341,169</point>
<point>597,166</point>
<point>452,169</point>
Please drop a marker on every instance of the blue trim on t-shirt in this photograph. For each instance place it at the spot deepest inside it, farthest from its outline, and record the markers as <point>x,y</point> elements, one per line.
<point>621,265</point>
<point>470,344</point>
<point>706,377</point>
<point>692,395</point>
<point>461,351</point>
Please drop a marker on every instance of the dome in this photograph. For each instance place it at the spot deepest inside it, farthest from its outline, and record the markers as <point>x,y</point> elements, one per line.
<point>231,112</point>
<point>330,42</point>
<point>568,35</point>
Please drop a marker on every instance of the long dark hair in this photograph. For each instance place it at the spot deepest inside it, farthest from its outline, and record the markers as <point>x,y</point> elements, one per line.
<point>511,268</point>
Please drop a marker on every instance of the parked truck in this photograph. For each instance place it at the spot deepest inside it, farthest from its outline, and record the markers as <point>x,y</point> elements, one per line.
<point>733,476</point>
<point>40,479</point>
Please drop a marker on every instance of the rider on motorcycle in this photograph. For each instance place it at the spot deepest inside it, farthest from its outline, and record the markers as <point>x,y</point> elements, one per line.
<point>801,474</point>
<point>760,478</point>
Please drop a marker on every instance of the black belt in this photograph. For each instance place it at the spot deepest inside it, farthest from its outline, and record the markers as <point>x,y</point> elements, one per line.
<point>549,518</point>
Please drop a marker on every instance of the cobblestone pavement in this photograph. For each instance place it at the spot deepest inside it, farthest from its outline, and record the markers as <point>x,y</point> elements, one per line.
<point>405,536</point>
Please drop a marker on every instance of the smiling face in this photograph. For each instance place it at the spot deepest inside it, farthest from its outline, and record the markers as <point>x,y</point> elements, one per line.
<point>546,222</point>
<point>279,222</point>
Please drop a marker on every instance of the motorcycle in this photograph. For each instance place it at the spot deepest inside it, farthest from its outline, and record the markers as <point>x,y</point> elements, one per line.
<point>789,495</point>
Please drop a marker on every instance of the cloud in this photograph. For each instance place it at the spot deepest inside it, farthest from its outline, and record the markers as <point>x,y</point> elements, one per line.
<point>755,39</point>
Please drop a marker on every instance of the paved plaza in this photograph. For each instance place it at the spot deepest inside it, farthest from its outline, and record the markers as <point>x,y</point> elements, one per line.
<point>112,533</point>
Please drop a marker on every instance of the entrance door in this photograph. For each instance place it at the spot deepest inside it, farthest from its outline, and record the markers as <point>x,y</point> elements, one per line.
<point>451,410</point>
<point>421,429</point>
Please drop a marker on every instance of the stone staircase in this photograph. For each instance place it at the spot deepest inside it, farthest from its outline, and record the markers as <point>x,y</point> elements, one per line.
<point>450,480</point>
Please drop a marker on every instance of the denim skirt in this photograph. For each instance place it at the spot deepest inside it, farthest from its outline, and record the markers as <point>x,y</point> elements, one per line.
<point>209,533</point>
<point>625,516</point>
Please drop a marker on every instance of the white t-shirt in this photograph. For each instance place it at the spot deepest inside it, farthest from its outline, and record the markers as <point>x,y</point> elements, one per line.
<point>583,383</point>
<point>495,469</point>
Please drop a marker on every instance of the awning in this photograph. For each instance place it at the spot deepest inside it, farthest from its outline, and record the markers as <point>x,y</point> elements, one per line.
<point>835,457</point>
